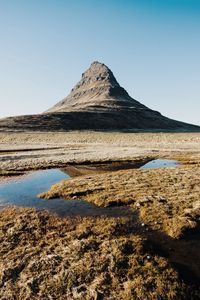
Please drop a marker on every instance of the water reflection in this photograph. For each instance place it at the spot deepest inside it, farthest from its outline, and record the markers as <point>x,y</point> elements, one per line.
<point>23,193</point>
<point>160,163</point>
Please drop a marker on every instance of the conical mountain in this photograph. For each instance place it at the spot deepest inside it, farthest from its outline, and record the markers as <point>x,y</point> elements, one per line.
<point>97,89</point>
<point>97,102</point>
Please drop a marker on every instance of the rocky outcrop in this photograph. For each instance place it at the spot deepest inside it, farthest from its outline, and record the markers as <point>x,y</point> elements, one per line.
<point>97,102</point>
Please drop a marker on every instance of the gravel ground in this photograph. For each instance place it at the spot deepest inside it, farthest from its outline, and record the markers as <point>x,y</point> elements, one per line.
<point>24,151</point>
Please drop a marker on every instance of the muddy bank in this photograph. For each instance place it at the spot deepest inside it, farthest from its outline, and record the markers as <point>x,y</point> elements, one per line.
<point>76,169</point>
<point>101,167</point>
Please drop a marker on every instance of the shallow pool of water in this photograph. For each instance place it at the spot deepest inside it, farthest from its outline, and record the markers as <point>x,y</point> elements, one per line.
<point>160,163</point>
<point>23,193</point>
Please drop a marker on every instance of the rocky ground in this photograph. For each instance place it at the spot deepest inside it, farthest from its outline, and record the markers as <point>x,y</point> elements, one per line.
<point>25,151</point>
<point>152,255</point>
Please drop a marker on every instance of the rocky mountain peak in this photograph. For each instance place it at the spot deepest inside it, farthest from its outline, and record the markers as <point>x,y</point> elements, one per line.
<point>98,73</point>
<point>97,102</point>
<point>98,88</point>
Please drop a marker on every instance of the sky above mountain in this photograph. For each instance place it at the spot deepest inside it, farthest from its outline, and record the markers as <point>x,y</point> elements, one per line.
<point>152,47</point>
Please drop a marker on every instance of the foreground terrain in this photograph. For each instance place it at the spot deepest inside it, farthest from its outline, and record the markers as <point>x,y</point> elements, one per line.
<point>152,255</point>
<point>43,257</point>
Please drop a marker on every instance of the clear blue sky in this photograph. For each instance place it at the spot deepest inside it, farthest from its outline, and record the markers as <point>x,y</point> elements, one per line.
<point>152,46</point>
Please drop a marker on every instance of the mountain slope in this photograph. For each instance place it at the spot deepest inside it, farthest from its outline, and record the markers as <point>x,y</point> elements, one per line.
<point>97,102</point>
<point>97,89</point>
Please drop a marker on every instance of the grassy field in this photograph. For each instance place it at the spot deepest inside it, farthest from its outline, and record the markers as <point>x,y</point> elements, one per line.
<point>152,255</point>
<point>167,199</point>
<point>43,257</point>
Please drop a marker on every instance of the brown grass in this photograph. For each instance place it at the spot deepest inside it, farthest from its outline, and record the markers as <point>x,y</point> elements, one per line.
<point>167,199</point>
<point>43,257</point>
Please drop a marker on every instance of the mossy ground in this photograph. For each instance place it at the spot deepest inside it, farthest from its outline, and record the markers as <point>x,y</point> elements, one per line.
<point>43,257</point>
<point>167,199</point>
<point>152,256</point>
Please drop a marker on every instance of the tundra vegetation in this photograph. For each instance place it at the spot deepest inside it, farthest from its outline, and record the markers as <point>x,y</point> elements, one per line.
<point>154,254</point>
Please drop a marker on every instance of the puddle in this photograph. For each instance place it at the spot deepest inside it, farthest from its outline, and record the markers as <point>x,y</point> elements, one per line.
<point>160,163</point>
<point>23,193</point>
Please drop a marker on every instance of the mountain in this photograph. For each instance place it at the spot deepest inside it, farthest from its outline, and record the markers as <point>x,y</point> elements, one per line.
<point>98,90</point>
<point>97,102</point>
